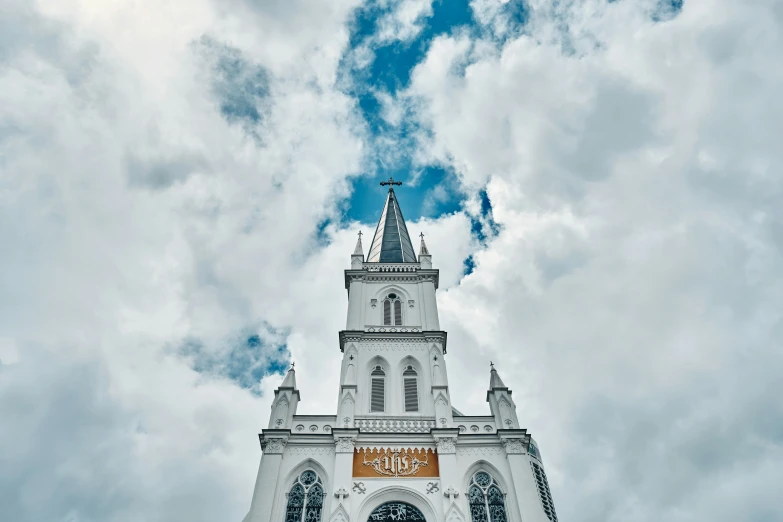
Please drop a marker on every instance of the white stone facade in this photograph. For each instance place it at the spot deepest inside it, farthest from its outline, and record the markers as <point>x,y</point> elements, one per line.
<point>411,347</point>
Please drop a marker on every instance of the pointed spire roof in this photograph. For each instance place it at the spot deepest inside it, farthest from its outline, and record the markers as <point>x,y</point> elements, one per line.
<point>391,242</point>
<point>290,379</point>
<point>359,251</point>
<point>423,248</point>
<point>494,379</point>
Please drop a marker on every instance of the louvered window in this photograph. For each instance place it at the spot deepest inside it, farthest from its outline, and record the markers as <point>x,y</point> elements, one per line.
<point>543,491</point>
<point>392,317</point>
<point>377,390</point>
<point>411,387</point>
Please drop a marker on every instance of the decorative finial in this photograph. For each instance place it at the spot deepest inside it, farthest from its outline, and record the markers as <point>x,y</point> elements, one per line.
<point>360,235</point>
<point>491,366</point>
<point>423,251</point>
<point>390,183</point>
<point>292,366</point>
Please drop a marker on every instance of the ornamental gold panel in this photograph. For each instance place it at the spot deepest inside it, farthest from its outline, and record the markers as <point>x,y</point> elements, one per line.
<point>395,463</point>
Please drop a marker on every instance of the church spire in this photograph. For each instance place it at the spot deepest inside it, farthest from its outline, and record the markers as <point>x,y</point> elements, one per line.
<point>391,242</point>
<point>359,251</point>
<point>494,379</point>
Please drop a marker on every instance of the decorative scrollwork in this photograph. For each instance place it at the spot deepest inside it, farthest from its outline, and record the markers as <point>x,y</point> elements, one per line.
<point>345,444</point>
<point>447,445</point>
<point>273,446</point>
<point>514,446</point>
<point>396,463</point>
<point>432,487</point>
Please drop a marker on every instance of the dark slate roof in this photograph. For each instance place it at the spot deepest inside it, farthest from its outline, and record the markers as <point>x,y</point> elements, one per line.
<point>391,242</point>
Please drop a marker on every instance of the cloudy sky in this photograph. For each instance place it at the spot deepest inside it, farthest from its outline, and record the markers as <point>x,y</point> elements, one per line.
<point>181,184</point>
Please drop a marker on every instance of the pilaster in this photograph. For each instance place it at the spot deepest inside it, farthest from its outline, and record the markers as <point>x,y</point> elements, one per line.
<point>446,441</point>
<point>344,444</point>
<point>273,443</point>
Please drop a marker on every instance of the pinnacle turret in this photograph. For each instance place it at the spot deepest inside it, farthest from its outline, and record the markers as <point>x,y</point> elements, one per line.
<point>494,379</point>
<point>423,248</point>
<point>359,251</point>
<point>290,379</point>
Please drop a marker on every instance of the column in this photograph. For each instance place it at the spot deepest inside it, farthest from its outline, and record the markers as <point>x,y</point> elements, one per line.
<point>273,446</point>
<point>528,504</point>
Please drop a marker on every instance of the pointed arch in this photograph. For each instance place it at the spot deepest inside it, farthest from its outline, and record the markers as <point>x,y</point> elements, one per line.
<point>378,373</point>
<point>396,493</point>
<point>304,493</point>
<point>487,499</point>
<point>441,399</point>
<point>392,298</point>
<point>281,409</point>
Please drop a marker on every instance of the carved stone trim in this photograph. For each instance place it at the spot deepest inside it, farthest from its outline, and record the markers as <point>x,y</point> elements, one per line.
<point>273,446</point>
<point>450,493</point>
<point>446,445</point>
<point>344,444</point>
<point>514,446</point>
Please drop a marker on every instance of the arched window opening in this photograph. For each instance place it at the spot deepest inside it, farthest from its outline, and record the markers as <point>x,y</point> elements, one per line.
<point>487,502</point>
<point>377,390</point>
<point>410,385</point>
<point>396,512</point>
<point>305,498</point>
<point>392,303</point>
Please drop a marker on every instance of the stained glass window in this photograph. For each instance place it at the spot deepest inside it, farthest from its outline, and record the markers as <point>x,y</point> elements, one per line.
<point>396,512</point>
<point>305,499</point>
<point>487,502</point>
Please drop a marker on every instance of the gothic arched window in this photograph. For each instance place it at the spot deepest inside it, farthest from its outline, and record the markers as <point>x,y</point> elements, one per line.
<point>377,390</point>
<point>487,502</point>
<point>396,512</point>
<point>392,310</point>
<point>305,498</point>
<point>410,385</point>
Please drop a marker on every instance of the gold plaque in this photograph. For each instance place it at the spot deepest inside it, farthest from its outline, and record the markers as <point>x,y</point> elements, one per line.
<point>395,463</point>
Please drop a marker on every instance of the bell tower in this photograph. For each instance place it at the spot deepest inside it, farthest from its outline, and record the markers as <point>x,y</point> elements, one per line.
<point>397,450</point>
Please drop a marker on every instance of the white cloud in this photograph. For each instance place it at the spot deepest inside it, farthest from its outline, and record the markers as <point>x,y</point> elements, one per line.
<point>632,297</point>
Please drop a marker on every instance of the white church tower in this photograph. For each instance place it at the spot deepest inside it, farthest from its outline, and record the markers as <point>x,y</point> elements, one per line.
<point>397,450</point>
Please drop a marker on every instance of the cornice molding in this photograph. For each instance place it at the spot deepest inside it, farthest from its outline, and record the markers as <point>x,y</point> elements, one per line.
<point>408,272</point>
<point>427,336</point>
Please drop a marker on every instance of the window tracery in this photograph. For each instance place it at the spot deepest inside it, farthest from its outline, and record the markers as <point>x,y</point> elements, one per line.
<point>396,512</point>
<point>305,498</point>
<point>392,310</point>
<point>487,502</point>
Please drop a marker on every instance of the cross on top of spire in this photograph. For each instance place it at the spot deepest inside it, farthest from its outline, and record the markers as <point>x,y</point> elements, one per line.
<point>390,183</point>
